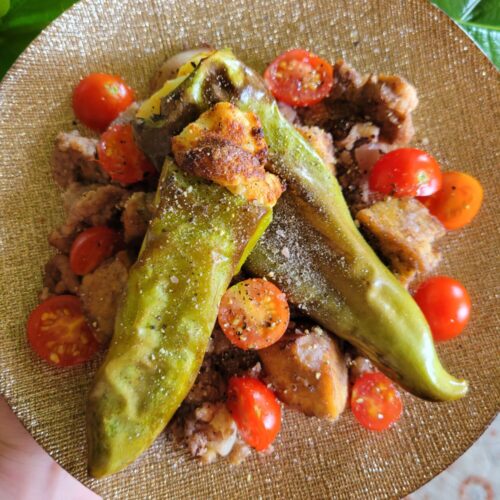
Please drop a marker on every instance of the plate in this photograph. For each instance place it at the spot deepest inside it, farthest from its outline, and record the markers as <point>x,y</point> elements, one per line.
<point>456,121</point>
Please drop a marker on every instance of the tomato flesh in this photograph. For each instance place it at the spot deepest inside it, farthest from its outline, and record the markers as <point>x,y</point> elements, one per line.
<point>59,333</point>
<point>375,401</point>
<point>254,314</point>
<point>299,78</point>
<point>120,156</point>
<point>406,172</point>
<point>446,306</point>
<point>99,98</point>
<point>92,247</point>
<point>255,410</point>
<point>457,202</point>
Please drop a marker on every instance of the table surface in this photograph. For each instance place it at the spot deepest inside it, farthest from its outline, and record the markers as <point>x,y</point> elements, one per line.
<point>474,476</point>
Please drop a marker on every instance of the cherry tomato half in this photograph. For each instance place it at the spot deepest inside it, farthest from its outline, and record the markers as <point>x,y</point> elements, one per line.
<point>91,247</point>
<point>406,172</point>
<point>254,314</point>
<point>375,401</point>
<point>120,156</point>
<point>299,78</point>
<point>255,410</point>
<point>446,306</point>
<point>99,98</point>
<point>59,333</point>
<point>457,202</point>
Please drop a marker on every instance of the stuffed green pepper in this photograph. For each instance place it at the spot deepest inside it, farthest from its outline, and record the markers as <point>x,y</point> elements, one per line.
<point>334,275</point>
<point>212,205</point>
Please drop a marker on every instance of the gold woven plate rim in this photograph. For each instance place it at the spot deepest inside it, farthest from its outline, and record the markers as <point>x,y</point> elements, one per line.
<point>23,63</point>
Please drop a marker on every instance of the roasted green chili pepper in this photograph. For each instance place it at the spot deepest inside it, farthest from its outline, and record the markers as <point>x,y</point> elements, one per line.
<point>332,273</point>
<point>191,251</point>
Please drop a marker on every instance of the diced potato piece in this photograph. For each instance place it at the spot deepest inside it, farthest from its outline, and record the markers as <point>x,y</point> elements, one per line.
<point>308,372</point>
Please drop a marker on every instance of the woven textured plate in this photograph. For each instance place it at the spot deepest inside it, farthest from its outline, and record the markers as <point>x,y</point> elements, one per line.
<point>459,93</point>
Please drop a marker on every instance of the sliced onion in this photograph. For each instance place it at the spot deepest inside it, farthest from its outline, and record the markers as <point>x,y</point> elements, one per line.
<point>169,68</point>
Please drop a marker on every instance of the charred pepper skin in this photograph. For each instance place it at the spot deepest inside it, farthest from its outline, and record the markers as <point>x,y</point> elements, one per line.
<point>190,253</point>
<point>335,277</point>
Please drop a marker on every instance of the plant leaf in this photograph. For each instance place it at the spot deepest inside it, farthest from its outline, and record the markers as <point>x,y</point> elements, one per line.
<point>480,19</point>
<point>22,23</point>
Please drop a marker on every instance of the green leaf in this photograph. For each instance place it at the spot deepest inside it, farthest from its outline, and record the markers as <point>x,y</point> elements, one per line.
<point>480,19</point>
<point>4,7</point>
<point>22,23</point>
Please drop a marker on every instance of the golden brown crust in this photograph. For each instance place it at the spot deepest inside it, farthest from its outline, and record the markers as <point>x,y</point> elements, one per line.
<point>220,160</point>
<point>227,146</point>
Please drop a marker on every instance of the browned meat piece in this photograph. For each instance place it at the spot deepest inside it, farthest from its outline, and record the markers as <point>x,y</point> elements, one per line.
<point>210,385</point>
<point>308,372</point>
<point>360,133</point>
<point>221,361</point>
<point>126,116</point>
<point>136,215</point>
<point>75,160</point>
<point>321,142</point>
<point>288,112</point>
<point>389,101</point>
<point>353,171</point>
<point>404,232</point>
<point>91,205</point>
<point>210,432</point>
<point>367,116</point>
<point>100,292</point>
<point>386,101</point>
<point>58,277</point>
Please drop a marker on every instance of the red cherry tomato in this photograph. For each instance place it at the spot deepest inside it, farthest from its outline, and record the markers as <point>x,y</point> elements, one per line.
<point>457,202</point>
<point>120,156</point>
<point>99,98</point>
<point>91,247</point>
<point>375,401</point>
<point>254,314</point>
<point>59,333</point>
<point>446,306</point>
<point>299,78</point>
<point>255,410</point>
<point>406,172</point>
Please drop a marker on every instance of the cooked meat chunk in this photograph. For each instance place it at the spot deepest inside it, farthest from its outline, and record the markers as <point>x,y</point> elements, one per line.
<point>404,232</point>
<point>360,365</point>
<point>360,133</point>
<point>137,213</point>
<point>321,142</point>
<point>308,372</point>
<point>91,205</point>
<point>210,385</point>
<point>385,101</point>
<point>222,360</point>
<point>58,277</point>
<point>210,432</point>
<point>75,160</point>
<point>126,116</point>
<point>288,113</point>
<point>353,171</point>
<point>227,146</point>
<point>100,292</point>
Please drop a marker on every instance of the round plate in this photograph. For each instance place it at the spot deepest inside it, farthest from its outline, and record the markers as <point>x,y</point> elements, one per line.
<point>458,92</point>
